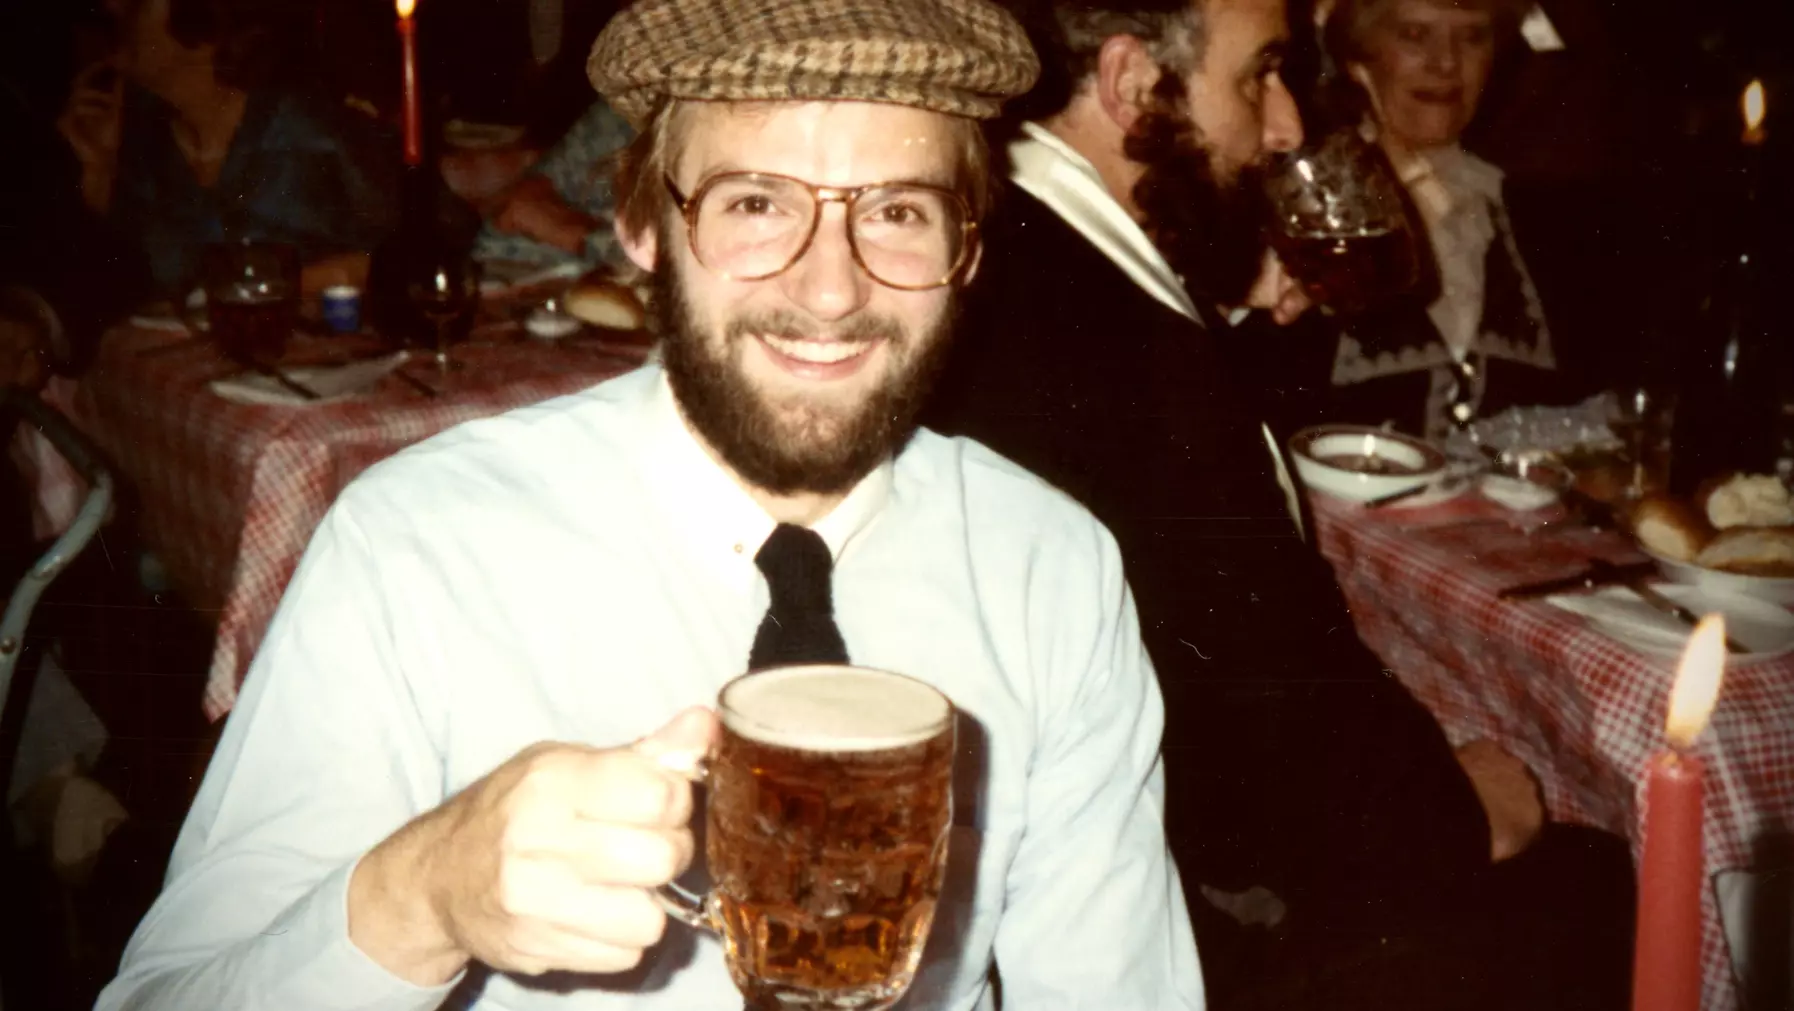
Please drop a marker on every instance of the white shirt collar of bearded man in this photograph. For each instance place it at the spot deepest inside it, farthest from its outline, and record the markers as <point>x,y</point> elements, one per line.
<point>716,515</point>
<point>1058,176</point>
<point>1051,171</point>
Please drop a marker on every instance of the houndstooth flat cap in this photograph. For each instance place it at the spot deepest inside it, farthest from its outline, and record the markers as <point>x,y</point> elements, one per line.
<point>962,57</point>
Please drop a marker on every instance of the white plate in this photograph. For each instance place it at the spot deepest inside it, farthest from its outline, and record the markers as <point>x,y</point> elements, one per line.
<point>1762,628</point>
<point>1773,589</point>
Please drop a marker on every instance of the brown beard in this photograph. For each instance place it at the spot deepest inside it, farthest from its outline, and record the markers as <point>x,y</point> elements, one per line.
<point>820,452</point>
<point>1210,232</point>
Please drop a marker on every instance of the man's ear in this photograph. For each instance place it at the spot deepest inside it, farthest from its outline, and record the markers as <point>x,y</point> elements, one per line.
<point>971,271</point>
<point>1125,75</point>
<point>642,246</point>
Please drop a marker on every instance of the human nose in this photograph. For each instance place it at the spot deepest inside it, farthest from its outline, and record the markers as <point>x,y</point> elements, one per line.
<point>1282,120</point>
<point>1443,55</point>
<point>826,281</point>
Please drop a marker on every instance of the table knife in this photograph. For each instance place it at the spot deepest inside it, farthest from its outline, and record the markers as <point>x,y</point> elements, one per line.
<point>288,382</point>
<point>1648,593</point>
<point>1446,482</point>
<point>1587,579</point>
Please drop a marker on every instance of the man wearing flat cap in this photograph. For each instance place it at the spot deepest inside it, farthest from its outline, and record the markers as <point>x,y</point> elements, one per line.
<point>448,775</point>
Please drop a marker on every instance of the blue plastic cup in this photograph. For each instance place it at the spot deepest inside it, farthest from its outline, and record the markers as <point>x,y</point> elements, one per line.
<point>342,308</point>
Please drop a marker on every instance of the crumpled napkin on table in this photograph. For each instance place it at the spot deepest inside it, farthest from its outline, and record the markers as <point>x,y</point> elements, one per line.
<point>332,383</point>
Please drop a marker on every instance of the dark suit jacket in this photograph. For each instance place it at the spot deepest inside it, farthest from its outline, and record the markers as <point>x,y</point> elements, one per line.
<point>1293,760</point>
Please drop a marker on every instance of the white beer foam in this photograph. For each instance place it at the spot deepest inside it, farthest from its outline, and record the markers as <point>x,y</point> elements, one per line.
<point>832,708</point>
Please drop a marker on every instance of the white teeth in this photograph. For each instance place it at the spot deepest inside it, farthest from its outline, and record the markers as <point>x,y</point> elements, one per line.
<point>815,352</point>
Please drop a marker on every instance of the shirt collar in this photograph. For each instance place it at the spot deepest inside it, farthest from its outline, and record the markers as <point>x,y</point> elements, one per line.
<point>714,513</point>
<point>1058,176</point>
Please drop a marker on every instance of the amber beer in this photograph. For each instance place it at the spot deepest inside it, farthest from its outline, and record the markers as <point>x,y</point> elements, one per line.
<point>1350,273</point>
<point>829,811</point>
<point>253,326</point>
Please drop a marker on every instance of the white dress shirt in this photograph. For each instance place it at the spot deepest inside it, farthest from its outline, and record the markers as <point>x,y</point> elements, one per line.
<point>1054,173</point>
<point>581,571</point>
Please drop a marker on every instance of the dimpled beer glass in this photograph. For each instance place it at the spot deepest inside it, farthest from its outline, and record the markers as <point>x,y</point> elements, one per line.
<point>829,810</point>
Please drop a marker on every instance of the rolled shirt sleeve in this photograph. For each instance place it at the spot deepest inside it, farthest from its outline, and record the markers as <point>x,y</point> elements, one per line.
<point>325,755</point>
<point>1094,915</point>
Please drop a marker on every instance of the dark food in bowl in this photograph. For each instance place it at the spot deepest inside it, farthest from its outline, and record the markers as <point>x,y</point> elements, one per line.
<point>1360,463</point>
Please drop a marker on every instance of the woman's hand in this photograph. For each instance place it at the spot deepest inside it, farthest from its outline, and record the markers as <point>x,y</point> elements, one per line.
<point>534,209</point>
<point>1509,795</point>
<point>91,123</point>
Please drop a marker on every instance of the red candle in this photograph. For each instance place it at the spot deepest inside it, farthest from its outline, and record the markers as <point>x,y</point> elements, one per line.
<point>1666,956</point>
<point>414,121</point>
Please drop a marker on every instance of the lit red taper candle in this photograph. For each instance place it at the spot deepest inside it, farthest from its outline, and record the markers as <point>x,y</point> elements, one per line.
<point>413,115</point>
<point>1666,955</point>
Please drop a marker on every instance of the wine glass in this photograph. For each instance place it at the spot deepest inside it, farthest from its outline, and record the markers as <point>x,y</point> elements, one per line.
<point>1340,224</point>
<point>445,292</point>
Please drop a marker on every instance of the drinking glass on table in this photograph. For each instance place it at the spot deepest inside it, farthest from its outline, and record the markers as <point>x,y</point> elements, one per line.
<point>1643,418</point>
<point>1340,225</point>
<point>830,803</point>
<point>446,293</point>
<point>252,298</point>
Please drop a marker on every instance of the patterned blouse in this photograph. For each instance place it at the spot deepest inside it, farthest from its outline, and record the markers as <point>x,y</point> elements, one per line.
<point>579,167</point>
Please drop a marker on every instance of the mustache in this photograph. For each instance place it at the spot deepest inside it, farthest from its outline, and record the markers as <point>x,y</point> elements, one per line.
<point>861,328</point>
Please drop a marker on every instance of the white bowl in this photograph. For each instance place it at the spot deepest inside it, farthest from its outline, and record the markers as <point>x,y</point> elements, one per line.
<point>1329,458</point>
<point>1777,590</point>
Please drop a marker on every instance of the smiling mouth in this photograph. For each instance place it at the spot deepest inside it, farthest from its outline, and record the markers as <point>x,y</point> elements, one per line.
<point>817,352</point>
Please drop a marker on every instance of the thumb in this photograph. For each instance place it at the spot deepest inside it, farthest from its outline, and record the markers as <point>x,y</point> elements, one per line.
<point>683,742</point>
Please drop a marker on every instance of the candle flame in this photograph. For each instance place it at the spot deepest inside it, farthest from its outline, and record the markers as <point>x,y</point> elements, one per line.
<point>405,7</point>
<point>1696,687</point>
<point>1755,105</point>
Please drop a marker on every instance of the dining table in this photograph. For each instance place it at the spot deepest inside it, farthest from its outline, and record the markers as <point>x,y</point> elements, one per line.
<point>226,494</point>
<point>1583,709</point>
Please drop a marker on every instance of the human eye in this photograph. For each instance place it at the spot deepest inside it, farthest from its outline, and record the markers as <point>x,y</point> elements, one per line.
<point>902,211</point>
<point>751,205</point>
<point>1478,35</point>
<point>750,199</point>
<point>1410,31</point>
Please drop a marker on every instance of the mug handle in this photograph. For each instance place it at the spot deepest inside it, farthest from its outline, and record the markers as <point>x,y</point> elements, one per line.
<point>677,901</point>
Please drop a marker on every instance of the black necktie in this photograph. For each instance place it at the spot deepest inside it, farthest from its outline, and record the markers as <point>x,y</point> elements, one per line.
<point>799,627</point>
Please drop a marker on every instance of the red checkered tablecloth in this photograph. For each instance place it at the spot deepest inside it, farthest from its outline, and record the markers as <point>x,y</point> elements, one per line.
<point>1582,710</point>
<point>227,495</point>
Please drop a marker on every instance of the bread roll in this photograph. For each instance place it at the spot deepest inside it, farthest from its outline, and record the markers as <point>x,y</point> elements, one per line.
<point>605,305</point>
<point>1748,500</point>
<point>1751,551</point>
<point>1668,527</point>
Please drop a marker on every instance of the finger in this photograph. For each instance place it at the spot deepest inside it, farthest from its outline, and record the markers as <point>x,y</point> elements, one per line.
<point>682,743</point>
<point>608,854</point>
<point>616,916</point>
<point>624,787</point>
<point>536,948</point>
<point>545,891</point>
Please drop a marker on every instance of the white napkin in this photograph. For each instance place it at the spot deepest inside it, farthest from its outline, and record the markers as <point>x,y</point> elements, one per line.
<point>332,383</point>
<point>1762,628</point>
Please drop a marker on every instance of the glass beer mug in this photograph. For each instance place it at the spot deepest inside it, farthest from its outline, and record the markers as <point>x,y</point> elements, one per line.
<point>830,805</point>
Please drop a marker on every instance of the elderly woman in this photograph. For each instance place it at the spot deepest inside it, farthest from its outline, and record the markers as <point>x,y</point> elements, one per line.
<point>1481,343</point>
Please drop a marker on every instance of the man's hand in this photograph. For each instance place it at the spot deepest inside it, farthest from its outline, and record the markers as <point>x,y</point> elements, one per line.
<point>1277,292</point>
<point>534,209</point>
<point>547,863</point>
<point>1509,795</point>
<point>91,123</point>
